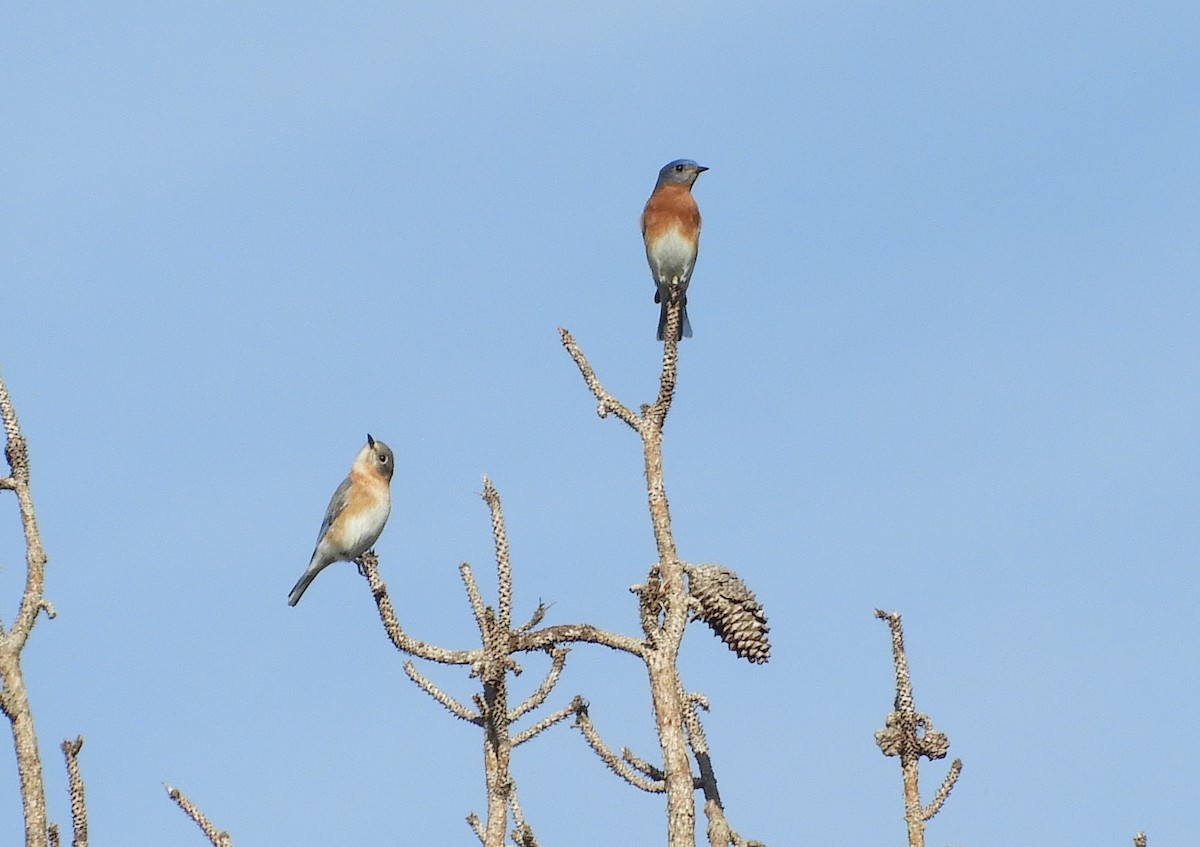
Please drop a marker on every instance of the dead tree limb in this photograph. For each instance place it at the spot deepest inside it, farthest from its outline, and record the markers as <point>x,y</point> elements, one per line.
<point>14,699</point>
<point>910,735</point>
<point>79,824</point>
<point>215,837</point>
<point>671,594</point>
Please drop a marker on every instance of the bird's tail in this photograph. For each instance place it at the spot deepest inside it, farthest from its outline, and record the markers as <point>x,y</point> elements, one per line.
<point>684,323</point>
<point>302,584</point>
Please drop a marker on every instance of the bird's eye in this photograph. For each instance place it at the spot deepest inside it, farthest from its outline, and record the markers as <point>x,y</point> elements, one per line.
<point>679,169</point>
<point>383,460</point>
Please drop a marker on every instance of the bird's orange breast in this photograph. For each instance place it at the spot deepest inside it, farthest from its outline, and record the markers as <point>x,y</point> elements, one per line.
<point>671,207</point>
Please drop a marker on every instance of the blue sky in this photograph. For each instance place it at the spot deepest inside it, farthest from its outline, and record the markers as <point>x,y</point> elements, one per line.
<point>945,362</point>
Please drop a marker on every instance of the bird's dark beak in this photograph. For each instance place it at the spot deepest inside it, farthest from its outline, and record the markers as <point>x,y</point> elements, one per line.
<point>370,440</point>
<point>700,169</point>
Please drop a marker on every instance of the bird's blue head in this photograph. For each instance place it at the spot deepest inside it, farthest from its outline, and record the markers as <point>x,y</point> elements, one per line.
<point>679,172</point>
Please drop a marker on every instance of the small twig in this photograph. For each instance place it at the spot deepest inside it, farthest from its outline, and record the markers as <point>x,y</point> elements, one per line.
<point>607,403</point>
<point>691,720</point>
<point>522,832</point>
<point>943,791</point>
<point>650,604</point>
<point>217,839</point>
<point>655,773</point>
<point>52,830</point>
<point>79,824</point>
<point>614,762</point>
<point>557,663</point>
<point>544,724</point>
<point>453,706</point>
<point>476,827</point>
<point>698,741</point>
<point>523,836</point>
<point>1139,840</point>
<point>503,566</point>
<point>538,614</point>
<point>720,833</point>
<point>478,609</point>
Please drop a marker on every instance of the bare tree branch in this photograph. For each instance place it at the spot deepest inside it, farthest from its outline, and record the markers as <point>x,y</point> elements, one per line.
<point>607,402</point>
<point>491,664</point>
<point>551,636</point>
<point>476,826</point>
<point>522,836</point>
<point>369,564</point>
<point>655,773</point>
<point>656,415</point>
<point>217,839</point>
<point>79,822</point>
<point>665,605</point>
<point>664,601</point>
<point>453,706</point>
<point>503,566</point>
<point>558,662</point>
<point>943,791</point>
<point>522,833</point>
<point>584,723</point>
<point>910,735</point>
<point>719,831</point>
<point>538,615</point>
<point>14,700</point>
<point>475,599</point>
<point>544,724</point>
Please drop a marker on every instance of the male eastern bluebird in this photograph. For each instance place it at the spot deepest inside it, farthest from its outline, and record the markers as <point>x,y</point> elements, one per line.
<point>671,230</point>
<point>356,514</point>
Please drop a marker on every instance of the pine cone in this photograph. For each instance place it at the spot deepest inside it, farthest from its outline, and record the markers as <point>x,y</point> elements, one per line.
<point>729,607</point>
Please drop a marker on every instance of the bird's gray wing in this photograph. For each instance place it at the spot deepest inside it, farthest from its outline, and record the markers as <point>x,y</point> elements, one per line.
<point>338,502</point>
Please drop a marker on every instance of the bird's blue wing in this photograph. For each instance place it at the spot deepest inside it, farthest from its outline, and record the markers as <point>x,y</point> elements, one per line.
<point>338,502</point>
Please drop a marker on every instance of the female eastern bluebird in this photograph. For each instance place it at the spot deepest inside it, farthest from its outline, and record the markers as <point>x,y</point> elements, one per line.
<point>671,230</point>
<point>356,514</point>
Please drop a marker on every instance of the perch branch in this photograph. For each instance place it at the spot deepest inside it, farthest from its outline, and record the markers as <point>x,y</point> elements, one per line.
<point>657,414</point>
<point>663,601</point>
<point>369,564</point>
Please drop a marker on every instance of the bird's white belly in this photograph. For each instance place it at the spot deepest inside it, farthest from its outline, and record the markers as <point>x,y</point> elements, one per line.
<point>362,530</point>
<point>672,256</point>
